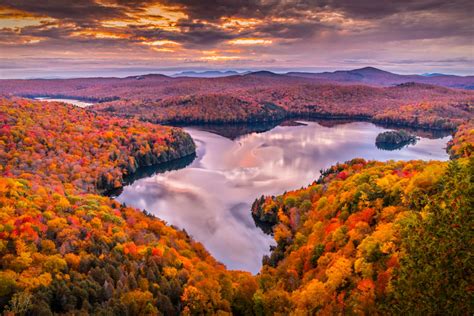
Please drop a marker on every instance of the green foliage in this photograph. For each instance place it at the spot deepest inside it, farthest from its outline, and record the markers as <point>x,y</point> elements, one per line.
<point>368,237</point>
<point>316,254</point>
<point>390,237</point>
<point>436,273</point>
<point>290,202</point>
<point>65,250</point>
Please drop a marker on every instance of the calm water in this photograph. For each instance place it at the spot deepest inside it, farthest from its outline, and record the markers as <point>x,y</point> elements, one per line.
<point>211,197</point>
<point>78,103</point>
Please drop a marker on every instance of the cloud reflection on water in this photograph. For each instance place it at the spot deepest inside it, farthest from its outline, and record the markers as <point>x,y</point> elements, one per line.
<point>211,198</point>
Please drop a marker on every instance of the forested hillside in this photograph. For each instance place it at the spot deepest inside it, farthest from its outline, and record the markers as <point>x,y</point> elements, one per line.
<point>373,238</point>
<point>62,145</point>
<point>256,97</point>
<point>413,105</point>
<point>366,238</point>
<point>89,254</point>
<point>374,76</point>
<point>65,249</point>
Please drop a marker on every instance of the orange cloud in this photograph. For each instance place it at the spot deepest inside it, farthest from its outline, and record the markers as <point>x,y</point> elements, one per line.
<point>99,34</point>
<point>162,43</point>
<point>239,23</point>
<point>154,16</point>
<point>13,19</point>
<point>219,58</point>
<point>250,41</point>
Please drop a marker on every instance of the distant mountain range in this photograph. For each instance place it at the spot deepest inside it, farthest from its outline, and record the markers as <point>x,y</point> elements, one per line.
<point>207,74</point>
<point>264,96</point>
<point>433,74</point>
<point>367,75</point>
<point>374,76</point>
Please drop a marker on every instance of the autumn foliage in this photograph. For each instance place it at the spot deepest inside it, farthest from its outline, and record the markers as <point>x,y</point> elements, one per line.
<point>372,237</point>
<point>462,144</point>
<point>64,249</point>
<point>410,105</point>
<point>66,146</point>
<point>89,253</point>
<point>366,238</point>
<point>257,97</point>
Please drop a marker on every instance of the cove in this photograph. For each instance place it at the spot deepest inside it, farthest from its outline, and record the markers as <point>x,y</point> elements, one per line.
<point>74,102</point>
<point>210,197</point>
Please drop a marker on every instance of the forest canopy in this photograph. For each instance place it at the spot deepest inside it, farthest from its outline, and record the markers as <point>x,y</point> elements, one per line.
<point>367,237</point>
<point>257,97</point>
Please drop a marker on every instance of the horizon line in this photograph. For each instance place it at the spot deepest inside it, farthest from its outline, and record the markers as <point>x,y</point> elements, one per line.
<point>175,72</point>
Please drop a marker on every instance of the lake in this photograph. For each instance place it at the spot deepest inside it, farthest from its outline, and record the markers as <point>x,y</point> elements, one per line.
<point>77,103</point>
<point>211,197</point>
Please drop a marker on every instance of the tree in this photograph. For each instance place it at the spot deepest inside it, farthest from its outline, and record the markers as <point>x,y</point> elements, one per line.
<point>436,273</point>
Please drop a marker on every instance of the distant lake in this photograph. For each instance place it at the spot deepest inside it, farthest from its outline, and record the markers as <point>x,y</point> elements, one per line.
<point>211,197</point>
<point>77,103</point>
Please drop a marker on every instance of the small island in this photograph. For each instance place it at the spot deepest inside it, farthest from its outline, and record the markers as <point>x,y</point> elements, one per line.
<point>392,140</point>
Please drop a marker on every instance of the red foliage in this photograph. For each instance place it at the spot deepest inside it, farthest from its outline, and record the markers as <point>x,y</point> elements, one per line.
<point>59,144</point>
<point>332,226</point>
<point>362,216</point>
<point>365,285</point>
<point>342,175</point>
<point>382,281</point>
<point>256,97</point>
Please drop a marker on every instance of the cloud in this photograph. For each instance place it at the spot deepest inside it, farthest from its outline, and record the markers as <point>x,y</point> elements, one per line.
<point>448,61</point>
<point>290,32</point>
<point>78,11</point>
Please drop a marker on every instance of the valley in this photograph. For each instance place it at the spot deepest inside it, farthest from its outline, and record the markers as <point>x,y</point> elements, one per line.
<point>211,197</point>
<point>256,97</point>
<point>247,158</point>
<point>105,211</point>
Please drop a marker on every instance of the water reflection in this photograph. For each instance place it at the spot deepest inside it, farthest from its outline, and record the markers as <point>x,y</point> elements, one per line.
<point>75,102</point>
<point>391,147</point>
<point>211,197</point>
<point>145,172</point>
<point>233,131</point>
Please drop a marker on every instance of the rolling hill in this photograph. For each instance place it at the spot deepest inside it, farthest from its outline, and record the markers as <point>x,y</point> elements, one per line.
<point>374,76</point>
<point>261,96</point>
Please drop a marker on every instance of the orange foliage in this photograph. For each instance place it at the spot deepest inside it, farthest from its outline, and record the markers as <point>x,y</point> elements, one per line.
<point>462,145</point>
<point>64,145</point>
<point>58,240</point>
<point>352,252</point>
<point>257,97</point>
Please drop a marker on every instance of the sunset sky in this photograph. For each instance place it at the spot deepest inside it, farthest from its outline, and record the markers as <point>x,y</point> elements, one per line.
<point>58,38</point>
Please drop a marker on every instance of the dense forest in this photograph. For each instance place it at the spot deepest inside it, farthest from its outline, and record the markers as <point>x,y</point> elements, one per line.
<point>257,97</point>
<point>372,238</point>
<point>63,248</point>
<point>366,238</point>
<point>63,145</point>
<point>63,253</point>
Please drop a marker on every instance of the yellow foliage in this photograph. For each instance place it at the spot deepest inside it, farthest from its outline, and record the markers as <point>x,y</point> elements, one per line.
<point>312,296</point>
<point>55,264</point>
<point>338,272</point>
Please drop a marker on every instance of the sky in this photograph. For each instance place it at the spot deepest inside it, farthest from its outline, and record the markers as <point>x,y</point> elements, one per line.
<point>83,38</point>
